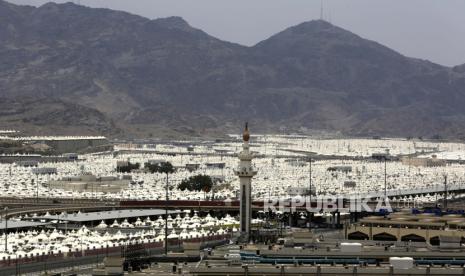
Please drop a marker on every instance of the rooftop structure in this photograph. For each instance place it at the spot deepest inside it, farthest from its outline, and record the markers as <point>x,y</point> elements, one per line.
<point>91,183</point>
<point>423,162</point>
<point>45,170</point>
<point>192,167</point>
<point>14,225</point>
<point>219,165</point>
<point>27,163</point>
<point>382,156</point>
<point>18,158</point>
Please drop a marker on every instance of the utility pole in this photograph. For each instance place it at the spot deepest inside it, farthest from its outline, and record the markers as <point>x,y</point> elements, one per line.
<point>310,177</point>
<point>310,191</point>
<point>167,168</point>
<point>166,216</point>
<point>37,186</point>
<point>37,189</point>
<point>214,182</point>
<point>445,192</point>
<point>385,178</point>
<point>65,215</point>
<point>6,229</point>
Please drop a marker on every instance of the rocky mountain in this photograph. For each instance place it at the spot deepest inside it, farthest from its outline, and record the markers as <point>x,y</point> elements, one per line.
<point>459,68</point>
<point>68,68</point>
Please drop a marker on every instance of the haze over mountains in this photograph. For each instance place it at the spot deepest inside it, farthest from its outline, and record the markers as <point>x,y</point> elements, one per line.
<point>69,68</point>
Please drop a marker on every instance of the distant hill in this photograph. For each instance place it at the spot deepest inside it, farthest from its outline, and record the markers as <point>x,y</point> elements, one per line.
<point>459,68</point>
<point>68,68</point>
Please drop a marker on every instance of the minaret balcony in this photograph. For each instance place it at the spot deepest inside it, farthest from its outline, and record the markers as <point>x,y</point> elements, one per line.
<point>247,172</point>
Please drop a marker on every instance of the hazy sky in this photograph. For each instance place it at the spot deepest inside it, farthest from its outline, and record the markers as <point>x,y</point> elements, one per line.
<point>427,29</point>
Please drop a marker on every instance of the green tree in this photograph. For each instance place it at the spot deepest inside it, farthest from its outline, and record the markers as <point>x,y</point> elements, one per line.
<point>162,167</point>
<point>198,182</point>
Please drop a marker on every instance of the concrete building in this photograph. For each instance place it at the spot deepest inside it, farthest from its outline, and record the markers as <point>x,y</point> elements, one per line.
<point>45,170</point>
<point>15,158</point>
<point>299,191</point>
<point>91,183</point>
<point>350,184</point>
<point>156,161</point>
<point>27,163</point>
<point>15,226</point>
<point>296,162</point>
<point>69,144</point>
<point>423,162</point>
<point>302,238</point>
<point>245,172</point>
<point>21,158</point>
<point>381,156</point>
<point>192,167</point>
<point>219,165</point>
<point>344,169</point>
<point>404,226</point>
<point>71,156</point>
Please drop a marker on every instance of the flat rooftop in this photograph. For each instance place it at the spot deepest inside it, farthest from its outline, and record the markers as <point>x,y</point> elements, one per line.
<point>13,224</point>
<point>107,215</point>
<point>258,270</point>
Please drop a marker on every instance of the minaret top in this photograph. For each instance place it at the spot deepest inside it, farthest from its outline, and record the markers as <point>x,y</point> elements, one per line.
<point>246,134</point>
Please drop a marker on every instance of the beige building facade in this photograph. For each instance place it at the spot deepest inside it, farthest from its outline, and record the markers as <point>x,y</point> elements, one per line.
<point>408,227</point>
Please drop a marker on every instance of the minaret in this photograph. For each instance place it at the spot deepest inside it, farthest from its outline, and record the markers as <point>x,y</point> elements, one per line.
<point>245,171</point>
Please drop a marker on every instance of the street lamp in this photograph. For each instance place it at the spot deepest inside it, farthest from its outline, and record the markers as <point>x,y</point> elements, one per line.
<point>166,168</point>
<point>166,215</point>
<point>385,178</point>
<point>310,177</point>
<point>37,186</point>
<point>6,229</point>
<point>65,216</point>
<point>309,191</point>
<point>445,192</point>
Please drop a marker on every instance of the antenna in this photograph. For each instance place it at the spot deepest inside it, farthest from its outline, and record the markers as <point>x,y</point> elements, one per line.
<point>321,10</point>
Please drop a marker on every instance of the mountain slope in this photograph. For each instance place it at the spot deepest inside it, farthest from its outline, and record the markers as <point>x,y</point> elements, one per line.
<point>118,73</point>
